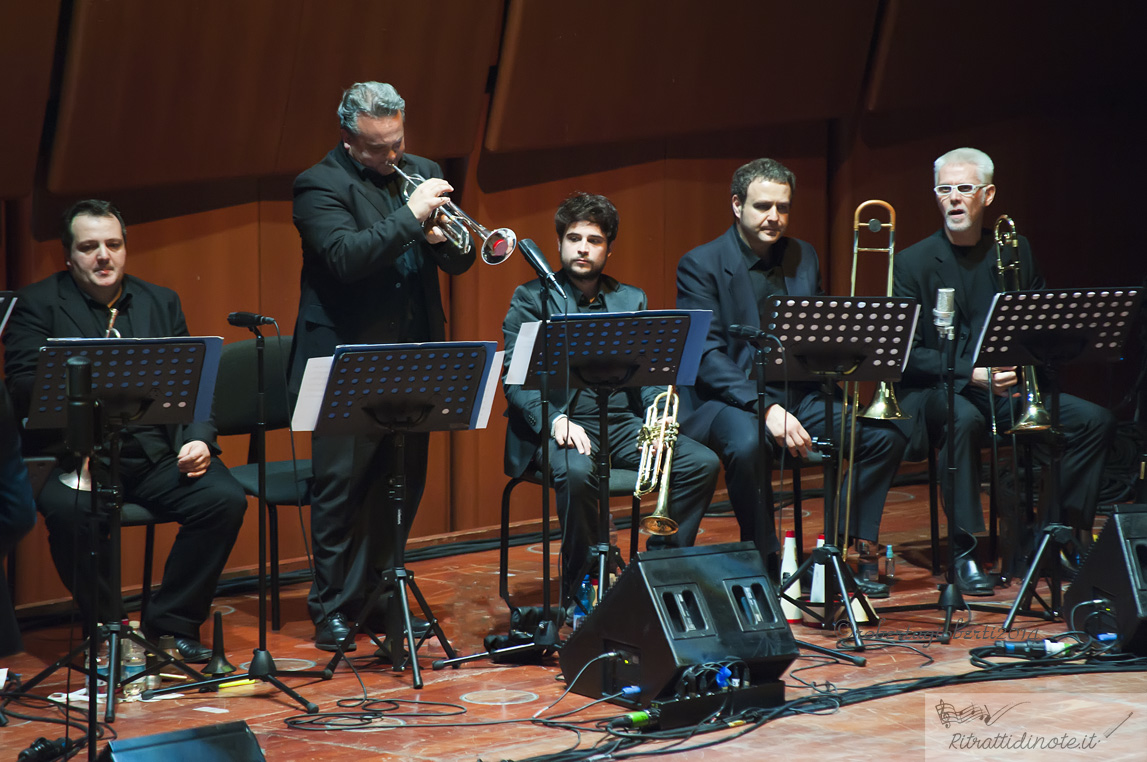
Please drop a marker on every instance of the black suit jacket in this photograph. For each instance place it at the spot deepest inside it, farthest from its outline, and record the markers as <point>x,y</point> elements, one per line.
<point>56,308</point>
<point>352,242</point>
<point>918,272</point>
<point>714,277</point>
<point>526,430</point>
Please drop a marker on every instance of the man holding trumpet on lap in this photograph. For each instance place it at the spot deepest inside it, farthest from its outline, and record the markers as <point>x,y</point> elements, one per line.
<point>586,227</point>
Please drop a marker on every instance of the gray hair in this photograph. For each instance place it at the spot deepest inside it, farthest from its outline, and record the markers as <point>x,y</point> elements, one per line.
<point>370,98</point>
<point>974,156</point>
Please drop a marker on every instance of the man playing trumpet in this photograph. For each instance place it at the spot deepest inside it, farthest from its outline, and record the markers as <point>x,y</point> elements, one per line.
<point>961,255</point>
<point>586,227</point>
<point>371,256</point>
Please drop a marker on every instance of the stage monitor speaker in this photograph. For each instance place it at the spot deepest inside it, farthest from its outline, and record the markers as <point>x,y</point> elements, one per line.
<point>229,742</point>
<point>1114,570</point>
<point>673,612</point>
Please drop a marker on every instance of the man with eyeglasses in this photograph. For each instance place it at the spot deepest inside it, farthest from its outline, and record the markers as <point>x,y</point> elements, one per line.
<point>962,255</point>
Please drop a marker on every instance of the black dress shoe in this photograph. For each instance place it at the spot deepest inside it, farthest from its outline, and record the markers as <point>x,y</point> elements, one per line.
<point>192,651</point>
<point>330,632</point>
<point>970,579</point>
<point>871,589</point>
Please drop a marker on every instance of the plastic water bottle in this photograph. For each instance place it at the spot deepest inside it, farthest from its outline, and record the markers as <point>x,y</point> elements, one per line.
<point>789,568</point>
<point>816,594</point>
<point>889,566</point>
<point>867,568</point>
<point>133,662</point>
<point>585,598</point>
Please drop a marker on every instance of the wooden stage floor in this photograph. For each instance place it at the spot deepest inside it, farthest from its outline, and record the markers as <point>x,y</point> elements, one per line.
<point>485,710</point>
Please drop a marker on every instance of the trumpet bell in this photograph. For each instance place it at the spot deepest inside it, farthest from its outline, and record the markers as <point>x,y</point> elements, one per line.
<point>658,525</point>
<point>498,246</point>
<point>884,406</point>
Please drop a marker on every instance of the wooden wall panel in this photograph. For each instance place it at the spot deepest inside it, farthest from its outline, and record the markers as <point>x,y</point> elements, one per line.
<point>27,45</point>
<point>1004,56</point>
<point>653,69</point>
<point>437,55</point>
<point>166,93</point>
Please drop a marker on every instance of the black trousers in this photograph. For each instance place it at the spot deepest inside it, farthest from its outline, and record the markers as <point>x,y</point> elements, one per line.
<point>352,520</point>
<point>879,450</point>
<point>1088,430</point>
<point>692,479</point>
<point>209,510</point>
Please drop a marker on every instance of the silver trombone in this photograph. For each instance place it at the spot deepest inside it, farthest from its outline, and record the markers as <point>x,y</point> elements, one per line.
<point>461,229</point>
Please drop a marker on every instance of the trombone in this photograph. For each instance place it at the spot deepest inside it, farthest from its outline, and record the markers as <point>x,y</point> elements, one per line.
<point>884,406</point>
<point>657,437</point>
<point>1035,416</point>
<point>461,229</point>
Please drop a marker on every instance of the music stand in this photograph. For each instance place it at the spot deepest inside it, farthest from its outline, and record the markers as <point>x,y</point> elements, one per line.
<point>607,352</point>
<point>93,388</point>
<point>1050,329</point>
<point>832,339</point>
<point>398,389</point>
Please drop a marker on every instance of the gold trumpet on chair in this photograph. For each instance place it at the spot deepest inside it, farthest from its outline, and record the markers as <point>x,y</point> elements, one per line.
<point>461,229</point>
<point>657,438</point>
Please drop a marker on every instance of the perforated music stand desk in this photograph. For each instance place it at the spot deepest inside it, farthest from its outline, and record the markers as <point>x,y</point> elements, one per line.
<point>1050,329</point>
<point>831,339</point>
<point>398,389</point>
<point>142,382</point>
<point>606,352</point>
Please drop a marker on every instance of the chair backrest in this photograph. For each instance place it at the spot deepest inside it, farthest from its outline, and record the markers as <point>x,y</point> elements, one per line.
<point>237,385</point>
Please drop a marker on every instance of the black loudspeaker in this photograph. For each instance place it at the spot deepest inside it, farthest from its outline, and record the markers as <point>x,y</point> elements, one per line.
<point>673,615</point>
<point>229,742</point>
<point>1114,570</point>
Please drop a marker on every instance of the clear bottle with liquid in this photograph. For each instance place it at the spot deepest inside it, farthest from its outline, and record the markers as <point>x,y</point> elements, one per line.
<point>889,565</point>
<point>133,661</point>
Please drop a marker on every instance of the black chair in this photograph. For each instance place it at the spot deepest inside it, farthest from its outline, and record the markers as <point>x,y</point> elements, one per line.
<point>621,482</point>
<point>288,482</point>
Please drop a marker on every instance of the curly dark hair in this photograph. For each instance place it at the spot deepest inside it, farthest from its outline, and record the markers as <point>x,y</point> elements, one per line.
<point>588,207</point>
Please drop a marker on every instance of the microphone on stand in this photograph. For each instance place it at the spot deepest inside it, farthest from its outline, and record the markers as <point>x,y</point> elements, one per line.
<point>945,311</point>
<point>80,434</point>
<point>747,332</point>
<point>248,319</point>
<point>538,261</point>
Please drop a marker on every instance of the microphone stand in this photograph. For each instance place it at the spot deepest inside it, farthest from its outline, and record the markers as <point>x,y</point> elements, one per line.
<point>262,666</point>
<point>951,599</point>
<point>545,638</point>
<point>826,555</point>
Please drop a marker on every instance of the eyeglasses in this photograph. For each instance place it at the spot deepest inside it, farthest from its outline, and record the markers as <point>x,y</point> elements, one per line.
<point>966,189</point>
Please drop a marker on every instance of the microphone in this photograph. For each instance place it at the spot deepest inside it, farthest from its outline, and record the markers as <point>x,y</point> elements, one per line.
<point>945,311</point>
<point>747,332</point>
<point>538,261</point>
<point>248,319</point>
<point>80,431</point>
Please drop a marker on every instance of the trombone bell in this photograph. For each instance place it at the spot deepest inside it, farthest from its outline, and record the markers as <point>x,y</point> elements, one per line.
<point>884,406</point>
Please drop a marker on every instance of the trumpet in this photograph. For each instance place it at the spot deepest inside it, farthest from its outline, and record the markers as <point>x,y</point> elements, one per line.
<point>657,437</point>
<point>1035,416</point>
<point>461,229</point>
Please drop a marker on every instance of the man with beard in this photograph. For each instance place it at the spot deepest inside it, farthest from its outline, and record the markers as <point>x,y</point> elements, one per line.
<point>734,276</point>
<point>586,227</point>
<point>962,255</point>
